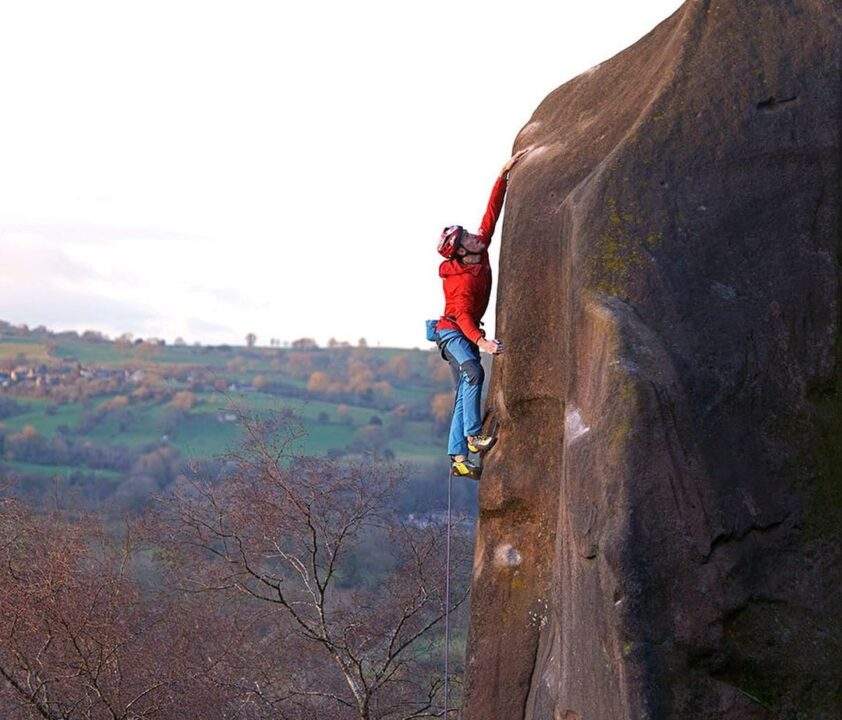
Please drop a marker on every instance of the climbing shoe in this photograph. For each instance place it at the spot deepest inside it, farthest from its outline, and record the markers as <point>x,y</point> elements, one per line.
<point>465,468</point>
<point>481,443</point>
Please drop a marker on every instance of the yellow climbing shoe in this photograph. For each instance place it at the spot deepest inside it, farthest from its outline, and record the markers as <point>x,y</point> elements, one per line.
<point>465,468</point>
<point>481,443</point>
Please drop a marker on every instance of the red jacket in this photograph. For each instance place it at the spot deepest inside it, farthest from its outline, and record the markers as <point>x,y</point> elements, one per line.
<point>467,288</point>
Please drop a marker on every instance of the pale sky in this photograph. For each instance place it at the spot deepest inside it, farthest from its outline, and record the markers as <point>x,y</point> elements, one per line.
<point>207,169</point>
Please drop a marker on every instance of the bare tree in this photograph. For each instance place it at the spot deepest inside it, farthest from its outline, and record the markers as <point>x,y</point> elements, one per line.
<point>285,534</point>
<point>290,590</point>
<point>251,340</point>
<point>81,639</point>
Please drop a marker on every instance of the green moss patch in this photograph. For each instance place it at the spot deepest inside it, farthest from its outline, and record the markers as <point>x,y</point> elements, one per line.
<point>621,250</point>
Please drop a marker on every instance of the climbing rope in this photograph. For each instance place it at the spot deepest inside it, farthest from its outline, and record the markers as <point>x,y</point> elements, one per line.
<point>447,600</point>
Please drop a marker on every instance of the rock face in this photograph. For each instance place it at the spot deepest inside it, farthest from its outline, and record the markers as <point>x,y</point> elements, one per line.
<point>659,530</point>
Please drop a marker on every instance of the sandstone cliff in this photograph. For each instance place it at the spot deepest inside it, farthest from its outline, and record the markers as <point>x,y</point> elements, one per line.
<point>659,529</point>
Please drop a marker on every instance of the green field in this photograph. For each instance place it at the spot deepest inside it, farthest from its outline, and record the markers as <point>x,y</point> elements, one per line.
<point>14,348</point>
<point>50,471</point>
<point>331,425</point>
<point>37,416</point>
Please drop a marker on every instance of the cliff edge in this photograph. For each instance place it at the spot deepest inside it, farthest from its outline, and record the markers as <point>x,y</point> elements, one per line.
<point>659,531</point>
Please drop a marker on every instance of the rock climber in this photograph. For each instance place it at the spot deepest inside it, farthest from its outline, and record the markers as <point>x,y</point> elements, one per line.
<point>466,278</point>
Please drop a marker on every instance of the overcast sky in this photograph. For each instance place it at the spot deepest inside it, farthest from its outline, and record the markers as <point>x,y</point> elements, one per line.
<point>208,169</point>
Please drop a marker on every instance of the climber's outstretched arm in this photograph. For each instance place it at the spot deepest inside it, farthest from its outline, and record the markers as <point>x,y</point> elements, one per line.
<point>492,210</point>
<point>495,202</point>
<point>513,160</point>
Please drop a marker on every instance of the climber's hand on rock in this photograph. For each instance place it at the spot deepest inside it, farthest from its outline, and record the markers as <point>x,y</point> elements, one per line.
<point>512,161</point>
<point>493,347</point>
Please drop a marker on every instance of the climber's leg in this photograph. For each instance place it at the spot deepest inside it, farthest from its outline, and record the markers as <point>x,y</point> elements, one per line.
<point>456,443</point>
<point>457,447</point>
<point>464,355</point>
<point>469,376</point>
<point>457,350</point>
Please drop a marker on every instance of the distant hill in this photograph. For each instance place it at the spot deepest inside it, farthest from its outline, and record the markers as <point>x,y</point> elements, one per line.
<point>119,418</point>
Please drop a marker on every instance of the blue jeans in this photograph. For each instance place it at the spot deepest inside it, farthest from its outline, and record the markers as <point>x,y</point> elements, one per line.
<point>468,377</point>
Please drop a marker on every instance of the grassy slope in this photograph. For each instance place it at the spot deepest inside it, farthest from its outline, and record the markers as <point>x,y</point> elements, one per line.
<point>200,433</point>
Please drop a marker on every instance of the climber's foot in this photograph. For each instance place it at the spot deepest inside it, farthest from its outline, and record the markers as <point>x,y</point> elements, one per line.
<point>460,466</point>
<point>481,443</point>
